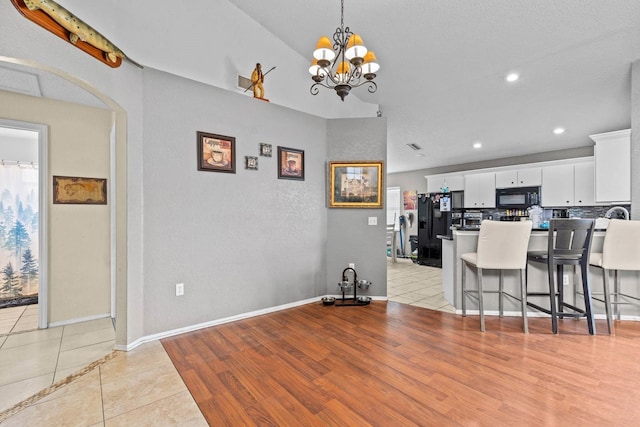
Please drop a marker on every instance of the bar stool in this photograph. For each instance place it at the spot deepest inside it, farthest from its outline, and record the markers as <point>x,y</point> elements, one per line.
<point>501,246</point>
<point>569,243</point>
<point>620,252</point>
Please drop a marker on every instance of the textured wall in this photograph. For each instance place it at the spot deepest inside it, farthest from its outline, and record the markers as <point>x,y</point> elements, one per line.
<point>350,239</point>
<point>635,140</point>
<point>239,242</point>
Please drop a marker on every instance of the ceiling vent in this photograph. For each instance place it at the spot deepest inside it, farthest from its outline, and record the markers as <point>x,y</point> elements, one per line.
<point>415,147</point>
<point>19,81</point>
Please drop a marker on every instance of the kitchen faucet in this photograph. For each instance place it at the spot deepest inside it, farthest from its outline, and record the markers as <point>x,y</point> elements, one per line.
<point>610,212</point>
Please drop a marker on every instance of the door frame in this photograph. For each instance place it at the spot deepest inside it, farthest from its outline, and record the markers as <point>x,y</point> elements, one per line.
<point>43,204</point>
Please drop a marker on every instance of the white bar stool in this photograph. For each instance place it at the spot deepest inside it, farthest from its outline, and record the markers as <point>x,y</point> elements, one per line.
<point>501,246</point>
<point>620,252</point>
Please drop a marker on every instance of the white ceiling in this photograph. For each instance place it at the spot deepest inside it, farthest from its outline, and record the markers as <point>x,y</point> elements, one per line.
<point>443,66</point>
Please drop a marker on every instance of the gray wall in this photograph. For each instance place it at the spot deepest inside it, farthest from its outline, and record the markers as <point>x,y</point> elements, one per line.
<point>349,237</point>
<point>239,242</point>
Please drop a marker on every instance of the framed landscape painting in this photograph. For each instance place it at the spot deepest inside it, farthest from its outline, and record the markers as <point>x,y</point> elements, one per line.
<point>356,184</point>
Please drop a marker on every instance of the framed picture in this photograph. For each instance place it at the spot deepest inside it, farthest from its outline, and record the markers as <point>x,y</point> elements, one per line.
<point>216,153</point>
<point>251,163</point>
<point>290,163</point>
<point>79,191</point>
<point>355,184</point>
<point>265,150</point>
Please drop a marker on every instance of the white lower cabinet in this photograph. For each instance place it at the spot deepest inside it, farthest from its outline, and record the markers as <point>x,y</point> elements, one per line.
<point>480,190</point>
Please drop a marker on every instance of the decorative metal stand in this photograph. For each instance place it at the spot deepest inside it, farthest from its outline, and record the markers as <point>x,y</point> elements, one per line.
<point>345,285</point>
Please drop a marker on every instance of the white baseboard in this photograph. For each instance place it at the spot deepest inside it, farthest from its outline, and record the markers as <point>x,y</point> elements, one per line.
<point>217,322</point>
<point>78,320</point>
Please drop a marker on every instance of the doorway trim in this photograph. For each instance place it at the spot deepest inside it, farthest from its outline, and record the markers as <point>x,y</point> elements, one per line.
<point>43,208</point>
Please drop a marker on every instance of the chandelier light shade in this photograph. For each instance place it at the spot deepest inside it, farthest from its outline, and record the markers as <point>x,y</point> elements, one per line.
<point>344,64</point>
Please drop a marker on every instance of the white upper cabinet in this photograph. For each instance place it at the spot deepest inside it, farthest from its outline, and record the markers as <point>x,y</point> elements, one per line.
<point>530,177</point>
<point>557,186</point>
<point>480,190</point>
<point>437,183</point>
<point>568,185</point>
<point>583,184</point>
<point>613,166</point>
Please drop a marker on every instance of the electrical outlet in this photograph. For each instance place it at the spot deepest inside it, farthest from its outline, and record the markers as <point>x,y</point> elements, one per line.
<point>373,220</point>
<point>352,265</point>
<point>179,289</point>
<point>565,279</point>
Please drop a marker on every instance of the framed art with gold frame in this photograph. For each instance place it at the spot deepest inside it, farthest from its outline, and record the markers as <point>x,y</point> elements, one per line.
<point>356,184</point>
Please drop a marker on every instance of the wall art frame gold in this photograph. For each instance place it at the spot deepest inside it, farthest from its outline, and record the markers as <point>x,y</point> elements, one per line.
<point>356,184</point>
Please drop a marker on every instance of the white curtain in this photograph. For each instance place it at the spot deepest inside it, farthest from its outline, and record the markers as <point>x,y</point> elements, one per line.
<point>18,229</point>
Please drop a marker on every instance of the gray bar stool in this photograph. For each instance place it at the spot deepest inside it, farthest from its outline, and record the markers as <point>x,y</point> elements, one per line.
<point>620,252</point>
<point>501,246</point>
<point>569,243</point>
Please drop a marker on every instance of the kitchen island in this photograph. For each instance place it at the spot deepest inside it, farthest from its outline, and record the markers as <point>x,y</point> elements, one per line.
<point>466,240</point>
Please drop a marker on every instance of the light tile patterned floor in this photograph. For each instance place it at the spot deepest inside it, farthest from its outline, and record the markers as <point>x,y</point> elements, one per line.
<point>18,319</point>
<point>415,284</point>
<point>139,387</point>
<point>34,360</point>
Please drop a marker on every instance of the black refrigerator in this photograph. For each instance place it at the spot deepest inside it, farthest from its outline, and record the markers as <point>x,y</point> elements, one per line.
<point>434,218</point>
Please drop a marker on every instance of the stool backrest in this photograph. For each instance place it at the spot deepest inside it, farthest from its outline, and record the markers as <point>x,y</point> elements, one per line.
<point>570,238</point>
<point>621,248</point>
<point>503,244</point>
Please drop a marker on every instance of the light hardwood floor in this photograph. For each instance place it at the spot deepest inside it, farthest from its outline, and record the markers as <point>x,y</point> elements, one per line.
<point>392,364</point>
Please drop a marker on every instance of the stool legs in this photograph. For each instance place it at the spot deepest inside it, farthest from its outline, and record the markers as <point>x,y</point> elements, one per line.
<point>588,307</point>
<point>464,289</point>
<point>552,300</point>
<point>523,301</point>
<point>480,299</point>
<point>607,300</point>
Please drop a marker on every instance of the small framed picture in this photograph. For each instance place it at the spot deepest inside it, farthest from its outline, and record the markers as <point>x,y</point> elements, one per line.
<point>290,163</point>
<point>251,163</point>
<point>79,191</point>
<point>216,153</point>
<point>265,150</point>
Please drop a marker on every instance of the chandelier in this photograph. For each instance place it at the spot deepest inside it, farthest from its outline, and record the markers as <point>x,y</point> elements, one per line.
<point>345,64</point>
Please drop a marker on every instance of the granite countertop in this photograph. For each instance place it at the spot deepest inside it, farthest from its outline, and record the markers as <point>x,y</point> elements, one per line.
<point>533,229</point>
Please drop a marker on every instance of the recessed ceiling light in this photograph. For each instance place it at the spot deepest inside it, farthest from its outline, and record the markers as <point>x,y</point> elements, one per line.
<point>419,155</point>
<point>477,144</point>
<point>558,131</point>
<point>512,77</point>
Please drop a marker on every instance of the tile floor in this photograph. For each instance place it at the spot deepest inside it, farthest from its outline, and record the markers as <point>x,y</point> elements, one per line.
<point>142,387</point>
<point>34,360</point>
<point>415,284</point>
<point>18,319</point>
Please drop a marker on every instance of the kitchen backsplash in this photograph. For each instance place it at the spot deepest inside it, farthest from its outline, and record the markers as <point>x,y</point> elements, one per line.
<point>573,212</point>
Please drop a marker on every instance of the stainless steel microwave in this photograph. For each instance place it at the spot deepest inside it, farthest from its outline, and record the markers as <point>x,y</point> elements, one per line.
<point>518,198</point>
